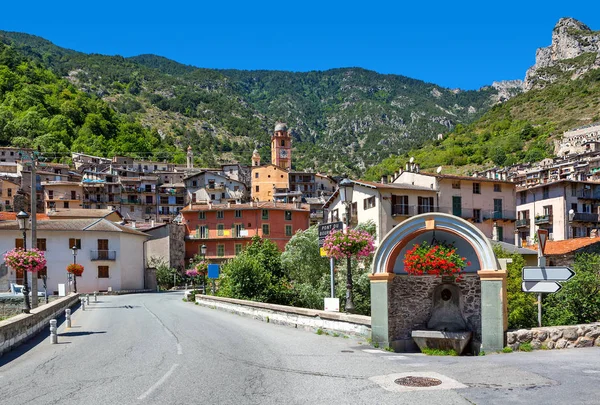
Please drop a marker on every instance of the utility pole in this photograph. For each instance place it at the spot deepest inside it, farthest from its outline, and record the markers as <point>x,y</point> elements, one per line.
<point>34,284</point>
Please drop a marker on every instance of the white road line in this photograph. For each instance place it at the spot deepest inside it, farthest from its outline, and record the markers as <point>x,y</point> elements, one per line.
<point>395,357</point>
<point>375,351</point>
<point>159,382</point>
<point>167,331</point>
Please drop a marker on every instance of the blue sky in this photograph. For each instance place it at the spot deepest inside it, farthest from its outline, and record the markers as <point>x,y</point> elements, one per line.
<point>453,44</point>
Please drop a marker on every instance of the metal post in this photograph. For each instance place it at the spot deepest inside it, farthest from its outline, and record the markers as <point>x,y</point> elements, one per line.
<point>540,309</point>
<point>331,268</point>
<point>53,335</point>
<point>68,317</point>
<point>82,304</point>
<point>25,283</point>
<point>349,304</point>
<point>87,299</point>
<point>95,296</point>
<point>213,286</point>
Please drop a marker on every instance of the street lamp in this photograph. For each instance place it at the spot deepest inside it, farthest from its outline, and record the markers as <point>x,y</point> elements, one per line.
<point>203,253</point>
<point>346,191</point>
<point>74,250</point>
<point>22,218</point>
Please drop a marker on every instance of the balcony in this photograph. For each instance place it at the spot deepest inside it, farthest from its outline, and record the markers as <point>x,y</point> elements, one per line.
<point>588,195</point>
<point>543,219</point>
<point>103,255</point>
<point>522,223</point>
<point>215,186</point>
<point>127,201</point>
<point>404,210</point>
<point>585,217</point>
<point>502,215</point>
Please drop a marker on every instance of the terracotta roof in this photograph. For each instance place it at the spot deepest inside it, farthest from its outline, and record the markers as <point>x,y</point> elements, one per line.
<point>12,216</point>
<point>81,212</point>
<point>256,205</point>
<point>562,247</point>
<point>85,224</point>
<point>398,186</point>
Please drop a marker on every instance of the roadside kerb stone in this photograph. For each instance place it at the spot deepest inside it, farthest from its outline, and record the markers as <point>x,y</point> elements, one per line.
<point>304,318</point>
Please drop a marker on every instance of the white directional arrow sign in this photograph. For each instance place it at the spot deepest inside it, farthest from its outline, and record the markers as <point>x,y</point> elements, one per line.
<point>540,286</point>
<point>548,273</point>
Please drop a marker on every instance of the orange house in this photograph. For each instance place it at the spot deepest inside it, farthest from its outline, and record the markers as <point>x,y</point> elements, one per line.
<point>226,228</point>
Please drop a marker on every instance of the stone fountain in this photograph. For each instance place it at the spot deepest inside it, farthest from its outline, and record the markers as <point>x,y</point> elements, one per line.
<point>446,329</point>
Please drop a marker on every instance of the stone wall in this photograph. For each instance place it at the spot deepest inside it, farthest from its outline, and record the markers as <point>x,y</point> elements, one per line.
<point>411,302</point>
<point>556,337</point>
<point>20,328</point>
<point>309,319</point>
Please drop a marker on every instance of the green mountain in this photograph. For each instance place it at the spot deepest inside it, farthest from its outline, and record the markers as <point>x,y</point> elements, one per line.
<point>563,92</point>
<point>343,120</point>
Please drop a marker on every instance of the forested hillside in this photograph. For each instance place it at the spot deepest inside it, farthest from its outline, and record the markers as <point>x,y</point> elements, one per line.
<point>342,120</point>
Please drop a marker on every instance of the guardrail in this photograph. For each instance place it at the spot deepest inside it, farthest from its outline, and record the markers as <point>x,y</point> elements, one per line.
<point>103,255</point>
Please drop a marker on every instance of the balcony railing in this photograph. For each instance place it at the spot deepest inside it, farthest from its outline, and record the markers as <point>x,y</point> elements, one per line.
<point>503,215</point>
<point>522,223</point>
<point>103,255</point>
<point>544,219</point>
<point>588,195</point>
<point>585,217</point>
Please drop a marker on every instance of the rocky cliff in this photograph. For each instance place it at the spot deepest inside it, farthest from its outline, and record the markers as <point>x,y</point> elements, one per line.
<point>574,51</point>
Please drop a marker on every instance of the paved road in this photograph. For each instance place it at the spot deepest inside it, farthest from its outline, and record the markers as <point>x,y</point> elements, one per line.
<point>154,348</point>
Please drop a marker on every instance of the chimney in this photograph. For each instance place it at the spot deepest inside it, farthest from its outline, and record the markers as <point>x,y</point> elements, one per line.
<point>152,223</point>
<point>495,232</point>
<point>517,239</point>
<point>417,168</point>
<point>228,205</point>
<point>133,224</point>
<point>384,179</point>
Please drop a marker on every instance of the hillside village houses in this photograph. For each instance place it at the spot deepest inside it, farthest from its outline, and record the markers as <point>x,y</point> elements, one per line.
<point>488,204</point>
<point>223,207</point>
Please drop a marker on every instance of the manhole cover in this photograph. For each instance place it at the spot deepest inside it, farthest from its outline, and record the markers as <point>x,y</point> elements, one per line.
<point>411,381</point>
<point>347,351</point>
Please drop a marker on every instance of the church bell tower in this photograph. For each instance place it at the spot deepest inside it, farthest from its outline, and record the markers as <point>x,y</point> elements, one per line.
<point>281,147</point>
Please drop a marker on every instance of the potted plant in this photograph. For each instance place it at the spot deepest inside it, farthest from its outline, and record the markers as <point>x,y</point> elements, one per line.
<point>75,269</point>
<point>349,243</point>
<point>22,260</point>
<point>438,260</point>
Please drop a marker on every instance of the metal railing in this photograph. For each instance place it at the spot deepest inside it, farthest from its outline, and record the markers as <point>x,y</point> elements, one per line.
<point>522,223</point>
<point>585,217</point>
<point>103,255</point>
<point>588,194</point>
<point>544,219</point>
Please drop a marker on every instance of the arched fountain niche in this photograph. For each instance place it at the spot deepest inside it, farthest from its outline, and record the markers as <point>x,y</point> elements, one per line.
<point>402,304</point>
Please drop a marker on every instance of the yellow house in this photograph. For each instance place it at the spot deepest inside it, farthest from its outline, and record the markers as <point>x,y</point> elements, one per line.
<point>266,180</point>
<point>62,194</point>
<point>7,191</point>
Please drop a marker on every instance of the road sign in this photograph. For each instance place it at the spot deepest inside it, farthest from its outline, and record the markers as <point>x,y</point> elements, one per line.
<point>213,271</point>
<point>540,286</point>
<point>549,273</point>
<point>542,238</point>
<point>325,229</point>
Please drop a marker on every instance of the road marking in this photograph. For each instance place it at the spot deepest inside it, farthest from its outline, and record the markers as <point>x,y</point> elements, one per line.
<point>374,351</point>
<point>159,382</point>
<point>395,357</point>
<point>167,331</point>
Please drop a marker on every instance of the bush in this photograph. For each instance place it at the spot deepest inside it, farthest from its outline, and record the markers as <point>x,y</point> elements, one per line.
<point>578,301</point>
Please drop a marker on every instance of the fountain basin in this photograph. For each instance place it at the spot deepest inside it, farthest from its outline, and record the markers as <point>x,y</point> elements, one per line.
<point>435,339</point>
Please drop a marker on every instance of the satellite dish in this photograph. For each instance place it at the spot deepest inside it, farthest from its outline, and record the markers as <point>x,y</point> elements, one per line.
<point>571,212</point>
<point>439,170</point>
<point>412,159</point>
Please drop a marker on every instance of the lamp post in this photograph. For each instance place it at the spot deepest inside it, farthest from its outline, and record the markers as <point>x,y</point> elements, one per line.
<point>203,253</point>
<point>74,250</point>
<point>22,218</point>
<point>346,191</point>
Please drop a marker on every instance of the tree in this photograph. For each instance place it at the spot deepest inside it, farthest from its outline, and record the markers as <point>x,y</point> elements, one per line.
<point>579,299</point>
<point>522,308</point>
<point>302,260</point>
